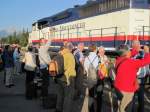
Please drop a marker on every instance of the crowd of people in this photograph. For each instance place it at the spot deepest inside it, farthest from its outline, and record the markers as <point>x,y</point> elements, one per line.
<point>80,74</point>
<point>10,63</point>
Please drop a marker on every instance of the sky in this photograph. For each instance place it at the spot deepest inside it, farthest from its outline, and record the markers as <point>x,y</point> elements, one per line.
<point>19,14</point>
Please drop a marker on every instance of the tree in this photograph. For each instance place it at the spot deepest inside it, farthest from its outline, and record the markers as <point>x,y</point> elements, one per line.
<point>23,40</point>
<point>20,38</point>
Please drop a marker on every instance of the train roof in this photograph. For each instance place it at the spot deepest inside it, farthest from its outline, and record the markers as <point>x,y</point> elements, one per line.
<point>71,10</point>
<point>51,17</point>
<point>74,13</point>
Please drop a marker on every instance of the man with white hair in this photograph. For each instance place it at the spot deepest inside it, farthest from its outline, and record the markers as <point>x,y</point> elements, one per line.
<point>78,52</point>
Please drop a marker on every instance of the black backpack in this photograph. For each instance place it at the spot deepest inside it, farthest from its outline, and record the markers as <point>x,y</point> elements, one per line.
<point>60,62</point>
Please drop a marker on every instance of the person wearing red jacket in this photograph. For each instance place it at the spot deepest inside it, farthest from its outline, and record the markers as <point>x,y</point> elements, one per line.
<point>126,73</point>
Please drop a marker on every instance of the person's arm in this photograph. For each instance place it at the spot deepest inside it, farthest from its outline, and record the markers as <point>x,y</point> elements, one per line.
<point>142,62</point>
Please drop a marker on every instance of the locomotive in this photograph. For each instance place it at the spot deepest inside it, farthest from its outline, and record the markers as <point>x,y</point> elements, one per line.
<point>107,23</point>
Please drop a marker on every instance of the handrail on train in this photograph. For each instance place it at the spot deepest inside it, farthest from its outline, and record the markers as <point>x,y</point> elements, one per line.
<point>66,33</point>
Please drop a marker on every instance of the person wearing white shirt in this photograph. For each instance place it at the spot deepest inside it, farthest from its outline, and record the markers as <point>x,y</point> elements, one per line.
<point>44,58</point>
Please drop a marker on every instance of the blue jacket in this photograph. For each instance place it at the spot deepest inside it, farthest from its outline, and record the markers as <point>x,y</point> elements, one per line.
<point>8,59</point>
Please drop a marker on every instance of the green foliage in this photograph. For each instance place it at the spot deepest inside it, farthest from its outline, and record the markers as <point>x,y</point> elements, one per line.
<point>16,38</point>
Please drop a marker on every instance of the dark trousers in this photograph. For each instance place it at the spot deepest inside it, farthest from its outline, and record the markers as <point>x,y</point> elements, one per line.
<point>140,94</point>
<point>60,94</point>
<point>45,82</point>
<point>80,81</point>
<point>29,92</point>
<point>92,93</point>
<point>100,87</point>
<point>69,95</point>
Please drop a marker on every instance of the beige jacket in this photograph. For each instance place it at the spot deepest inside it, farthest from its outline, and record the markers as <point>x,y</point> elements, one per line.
<point>69,64</point>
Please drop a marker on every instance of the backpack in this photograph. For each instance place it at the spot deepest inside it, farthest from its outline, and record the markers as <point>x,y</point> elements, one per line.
<point>53,68</point>
<point>56,66</point>
<point>91,74</point>
<point>1,63</point>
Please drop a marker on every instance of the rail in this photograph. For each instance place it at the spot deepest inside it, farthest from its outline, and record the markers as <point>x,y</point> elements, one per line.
<point>79,33</point>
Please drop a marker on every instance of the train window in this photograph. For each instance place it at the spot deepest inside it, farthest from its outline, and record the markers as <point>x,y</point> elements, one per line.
<point>42,24</point>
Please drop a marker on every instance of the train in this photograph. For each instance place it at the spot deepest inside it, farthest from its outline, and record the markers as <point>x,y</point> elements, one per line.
<point>107,23</point>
